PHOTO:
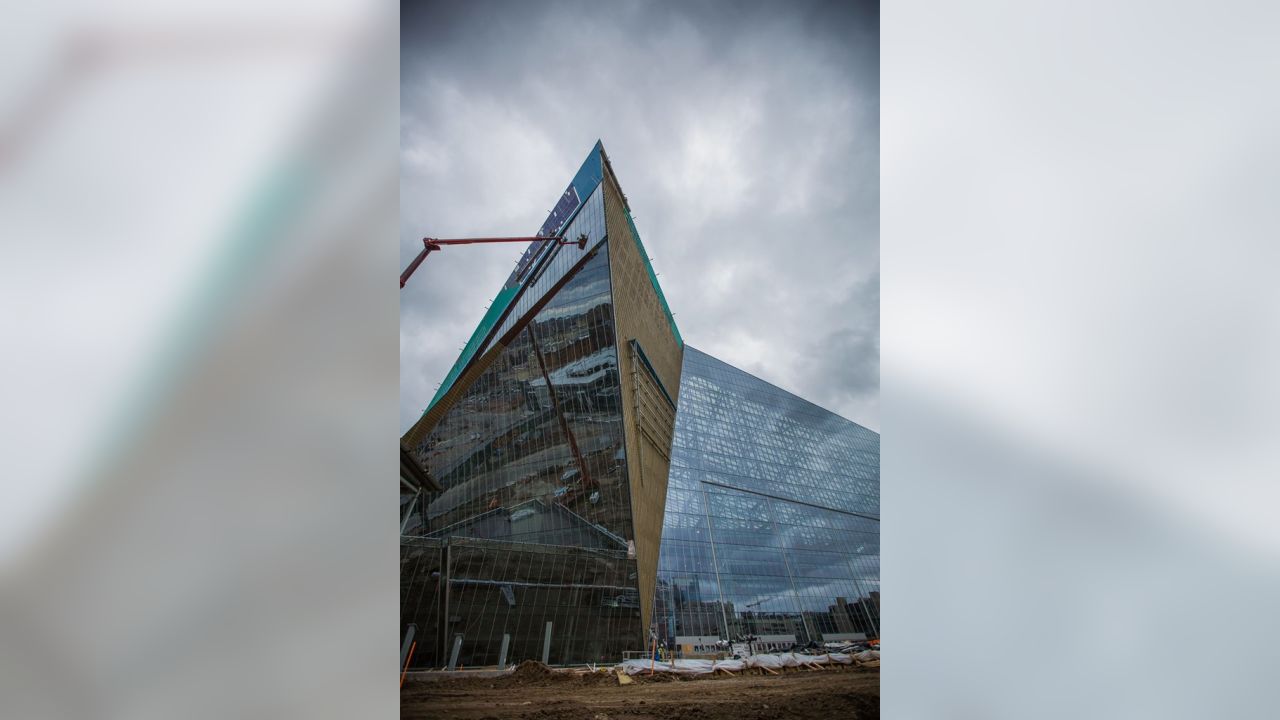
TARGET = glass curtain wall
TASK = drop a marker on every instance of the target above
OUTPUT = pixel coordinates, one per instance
(535, 514)
(771, 526)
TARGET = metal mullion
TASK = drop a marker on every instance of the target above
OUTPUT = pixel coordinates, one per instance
(498, 600)
(790, 576)
(468, 628)
(858, 589)
(557, 569)
(416, 573)
(531, 600)
(715, 565)
(539, 610)
(571, 624)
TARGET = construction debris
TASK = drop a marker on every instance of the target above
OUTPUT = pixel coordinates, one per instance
(531, 670)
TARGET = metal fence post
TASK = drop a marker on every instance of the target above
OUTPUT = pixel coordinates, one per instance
(502, 654)
(453, 657)
(408, 642)
(546, 645)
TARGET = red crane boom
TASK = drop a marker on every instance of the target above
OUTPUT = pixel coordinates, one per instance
(430, 244)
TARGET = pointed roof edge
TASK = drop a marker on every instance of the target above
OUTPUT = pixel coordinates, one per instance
(584, 182)
(594, 168)
(644, 255)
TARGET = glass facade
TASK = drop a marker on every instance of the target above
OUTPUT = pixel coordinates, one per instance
(529, 538)
(771, 526)
(550, 266)
(546, 265)
(519, 535)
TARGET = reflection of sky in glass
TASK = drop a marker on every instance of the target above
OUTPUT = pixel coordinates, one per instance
(771, 509)
(545, 272)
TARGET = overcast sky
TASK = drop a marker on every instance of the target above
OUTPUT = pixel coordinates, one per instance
(746, 137)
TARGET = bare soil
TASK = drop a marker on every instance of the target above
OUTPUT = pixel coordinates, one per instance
(534, 693)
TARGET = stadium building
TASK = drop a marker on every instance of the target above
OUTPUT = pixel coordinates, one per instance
(584, 484)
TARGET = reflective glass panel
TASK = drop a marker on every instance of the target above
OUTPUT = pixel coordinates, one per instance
(534, 518)
(772, 518)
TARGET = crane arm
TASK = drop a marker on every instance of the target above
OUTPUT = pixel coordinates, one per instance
(432, 244)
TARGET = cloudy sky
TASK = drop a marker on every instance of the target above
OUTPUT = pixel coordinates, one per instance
(746, 137)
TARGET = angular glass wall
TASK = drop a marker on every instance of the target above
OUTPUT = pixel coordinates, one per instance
(549, 266)
(535, 514)
(772, 517)
(543, 264)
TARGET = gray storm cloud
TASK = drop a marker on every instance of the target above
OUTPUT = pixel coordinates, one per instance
(746, 137)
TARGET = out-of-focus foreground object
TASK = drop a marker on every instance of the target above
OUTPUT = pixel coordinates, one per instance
(1081, 402)
(199, 208)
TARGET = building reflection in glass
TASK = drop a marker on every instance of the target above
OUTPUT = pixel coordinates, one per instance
(535, 507)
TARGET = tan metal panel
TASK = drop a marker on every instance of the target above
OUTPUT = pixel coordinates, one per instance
(639, 316)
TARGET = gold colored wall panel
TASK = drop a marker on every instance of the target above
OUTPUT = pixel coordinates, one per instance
(639, 316)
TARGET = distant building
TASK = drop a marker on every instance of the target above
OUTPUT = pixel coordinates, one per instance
(597, 484)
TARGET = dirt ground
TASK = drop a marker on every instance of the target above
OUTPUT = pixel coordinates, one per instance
(534, 694)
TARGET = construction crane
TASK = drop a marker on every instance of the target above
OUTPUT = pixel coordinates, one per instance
(432, 244)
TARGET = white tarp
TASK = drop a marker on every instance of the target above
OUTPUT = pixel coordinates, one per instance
(680, 667)
(773, 661)
(791, 659)
(683, 667)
